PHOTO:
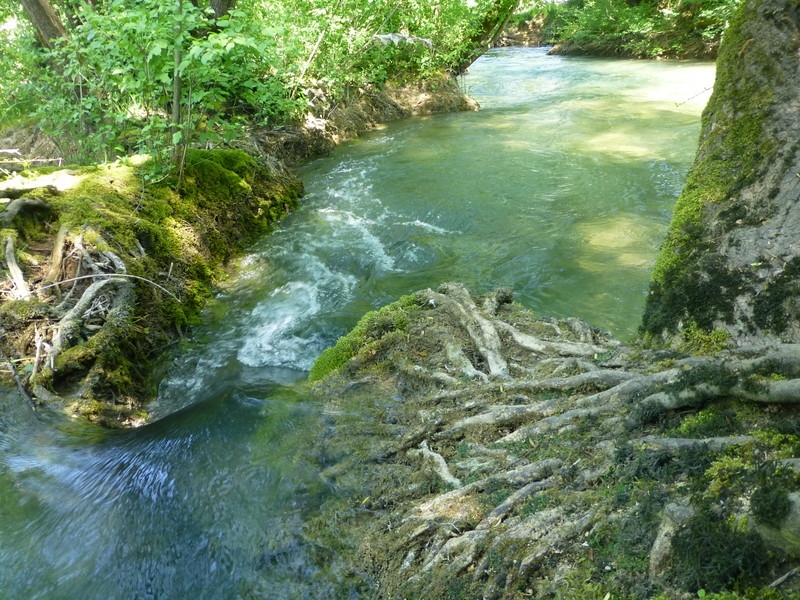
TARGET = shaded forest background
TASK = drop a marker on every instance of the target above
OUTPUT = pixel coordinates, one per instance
(630, 28)
(110, 78)
(114, 77)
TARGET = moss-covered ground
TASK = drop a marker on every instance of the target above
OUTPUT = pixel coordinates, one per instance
(175, 239)
(555, 479)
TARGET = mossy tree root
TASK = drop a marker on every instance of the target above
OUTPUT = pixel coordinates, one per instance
(22, 205)
(92, 301)
(566, 464)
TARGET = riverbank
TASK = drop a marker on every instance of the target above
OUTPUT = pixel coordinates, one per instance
(480, 452)
(108, 270)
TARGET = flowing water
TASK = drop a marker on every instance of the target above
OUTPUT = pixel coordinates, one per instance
(561, 188)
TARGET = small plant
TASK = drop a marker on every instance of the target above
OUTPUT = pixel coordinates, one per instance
(700, 342)
(711, 553)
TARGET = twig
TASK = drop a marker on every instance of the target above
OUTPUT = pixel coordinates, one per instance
(162, 288)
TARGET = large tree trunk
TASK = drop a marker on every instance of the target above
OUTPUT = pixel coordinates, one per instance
(48, 25)
(731, 260)
(222, 7)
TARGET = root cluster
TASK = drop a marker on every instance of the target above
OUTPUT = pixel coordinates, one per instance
(505, 435)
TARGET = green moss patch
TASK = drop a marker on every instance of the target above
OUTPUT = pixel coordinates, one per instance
(177, 234)
(362, 339)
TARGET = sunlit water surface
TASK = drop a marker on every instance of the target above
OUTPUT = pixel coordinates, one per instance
(561, 188)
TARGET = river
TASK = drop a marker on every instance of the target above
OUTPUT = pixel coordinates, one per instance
(561, 188)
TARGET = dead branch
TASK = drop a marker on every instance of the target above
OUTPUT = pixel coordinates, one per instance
(22, 290)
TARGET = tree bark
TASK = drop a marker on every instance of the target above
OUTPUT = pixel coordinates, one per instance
(731, 260)
(48, 25)
(222, 7)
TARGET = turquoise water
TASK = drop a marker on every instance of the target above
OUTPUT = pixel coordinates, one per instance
(561, 188)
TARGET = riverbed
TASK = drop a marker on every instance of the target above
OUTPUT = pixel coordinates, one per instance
(561, 187)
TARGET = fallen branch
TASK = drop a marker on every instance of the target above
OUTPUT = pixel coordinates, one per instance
(23, 292)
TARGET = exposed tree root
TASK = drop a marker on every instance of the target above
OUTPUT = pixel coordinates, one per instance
(56, 258)
(543, 429)
(102, 311)
(21, 205)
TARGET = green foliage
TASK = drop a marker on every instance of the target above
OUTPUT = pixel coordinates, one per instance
(108, 88)
(709, 422)
(711, 552)
(698, 341)
(646, 29)
(770, 501)
(18, 64)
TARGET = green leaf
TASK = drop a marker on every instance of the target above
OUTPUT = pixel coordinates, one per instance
(177, 137)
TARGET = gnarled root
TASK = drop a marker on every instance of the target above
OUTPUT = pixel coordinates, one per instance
(98, 319)
(551, 435)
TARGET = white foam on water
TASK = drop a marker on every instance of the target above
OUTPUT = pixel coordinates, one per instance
(360, 241)
(279, 334)
(428, 227)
